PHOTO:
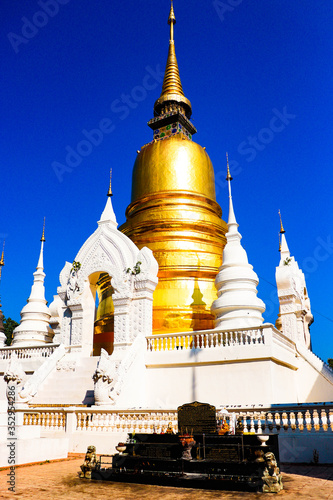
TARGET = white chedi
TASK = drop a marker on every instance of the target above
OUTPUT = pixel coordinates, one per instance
(237, 305)
(34, 328)
(295, 317)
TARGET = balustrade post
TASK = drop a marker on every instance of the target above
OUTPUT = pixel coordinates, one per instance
(71, 421)
(259, 431)
(285, 421)
(308, 420)
(245, 423)
(252, 428)
(323, 417)
(270, 421)
(300, 421)
(71, 425)
(316, 421)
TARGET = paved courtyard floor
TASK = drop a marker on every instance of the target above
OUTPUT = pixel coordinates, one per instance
(59, 480)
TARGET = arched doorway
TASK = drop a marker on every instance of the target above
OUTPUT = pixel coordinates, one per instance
(104, 316)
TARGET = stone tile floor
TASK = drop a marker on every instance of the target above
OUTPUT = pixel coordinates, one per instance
(59, 480)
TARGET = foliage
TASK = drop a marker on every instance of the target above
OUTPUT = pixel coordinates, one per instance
(330, 362)
(136, 269)
(9, 326)
(76, 266)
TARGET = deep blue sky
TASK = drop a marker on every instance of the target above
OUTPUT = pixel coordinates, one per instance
(239, 68)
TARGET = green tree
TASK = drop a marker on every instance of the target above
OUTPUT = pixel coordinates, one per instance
(330, 362)
(9, 326)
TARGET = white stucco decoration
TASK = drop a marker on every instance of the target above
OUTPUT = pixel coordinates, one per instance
(237, 305)
(295, 315)
(133, 275)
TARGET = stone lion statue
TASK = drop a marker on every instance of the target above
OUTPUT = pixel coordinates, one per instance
(90, 462)
(272, 480)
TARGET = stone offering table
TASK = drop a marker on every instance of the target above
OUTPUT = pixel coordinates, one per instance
(217, 462)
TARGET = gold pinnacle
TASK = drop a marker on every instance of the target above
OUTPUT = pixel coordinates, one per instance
(281, 228)
(279, 242)
(43, 235)
(110, 190)
(229, 178)
(172, 90)
(171, 20)
(2, 260)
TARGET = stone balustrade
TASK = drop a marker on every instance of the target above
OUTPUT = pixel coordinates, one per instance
(209, 339)
(146, 422)
(311, 419)
(50, 420)
(300, 419)
(36, 352)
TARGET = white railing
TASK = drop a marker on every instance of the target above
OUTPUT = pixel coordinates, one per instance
(144, 422)
(207, 339)
(316, 362)
(28, 352)
(50, 420)
(286, 420)
(35, 352)
(300, 419)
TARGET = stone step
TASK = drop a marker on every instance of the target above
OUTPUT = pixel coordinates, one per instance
(69, 383)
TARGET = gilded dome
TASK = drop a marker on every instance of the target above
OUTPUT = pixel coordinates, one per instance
(173, 164)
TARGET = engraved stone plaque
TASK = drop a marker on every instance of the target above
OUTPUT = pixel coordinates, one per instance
(199, 418)
(224, 454)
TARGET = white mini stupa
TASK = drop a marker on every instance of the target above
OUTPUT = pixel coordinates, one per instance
(295, 317)
(2, 329)
(34, 328)
(237, 305)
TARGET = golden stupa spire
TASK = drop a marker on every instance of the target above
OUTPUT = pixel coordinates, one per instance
(229, 178)
(174, 212)
(172, 90)
(2, 260)
(171, 21)
(281, 225)
(110, 190)
(43, 235)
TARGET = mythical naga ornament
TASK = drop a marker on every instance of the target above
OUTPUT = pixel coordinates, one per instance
(15, 377)
(104, 380)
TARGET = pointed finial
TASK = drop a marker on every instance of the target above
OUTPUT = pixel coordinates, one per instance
(110, 190)
(172, 90)
(2, 260)
(280, 242)
(43, 235)
(281, 225)
(229, 178)
(171, 21)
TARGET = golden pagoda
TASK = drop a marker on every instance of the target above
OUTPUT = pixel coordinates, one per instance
(174, 212)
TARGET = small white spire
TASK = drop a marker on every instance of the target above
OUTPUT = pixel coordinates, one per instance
(34, 327)
(237, 305)
(108, 216)
(2, 329)
(232, 223)
(295, 315)
(284, 250)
